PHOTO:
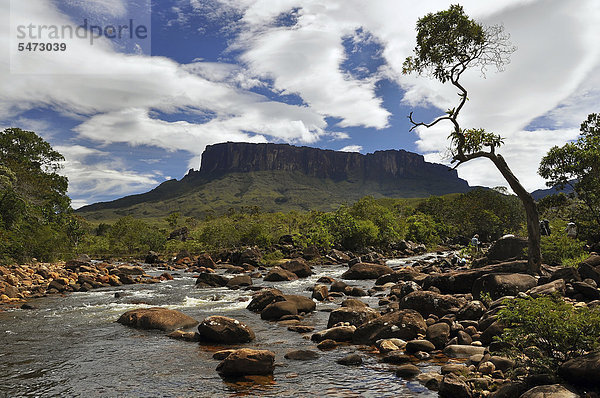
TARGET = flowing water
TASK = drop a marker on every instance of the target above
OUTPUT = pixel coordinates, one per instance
(71, 346)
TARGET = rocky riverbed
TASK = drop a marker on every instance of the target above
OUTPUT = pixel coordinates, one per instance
(410, 327)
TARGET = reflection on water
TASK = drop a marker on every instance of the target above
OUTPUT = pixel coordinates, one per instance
(72, 346)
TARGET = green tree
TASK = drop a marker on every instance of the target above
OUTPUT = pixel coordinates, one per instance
(449, 43)
(577, 164)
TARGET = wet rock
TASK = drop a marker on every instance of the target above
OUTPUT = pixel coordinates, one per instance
(205, 260)
(456, 368)
(327, 344)
(247, 361)
(510, 389)
(583, 370)
(555, 287)
(211, 280)
(302, 355)
(320, 292)
(185, 336)
(278, 274)
(430, 380)
(462, 351)
(452, 386)
(278, 309)
(338, 286)
(302, 303)
(366, 271)
(339, 256)
(396, 357)
(222, 354)
(157, 318)
(350, 360)
(426, 303)
(353, 315)
(151, 258)
(550, 391)
(338, 333)
(402, 324)
(298, 267)
(129, 270)
(224, 330)
(502, 363)
(407, 371)
(438, 334)
(354, 303)
(356, 292)
(263, 298)
(301, 328)
(500, 285)
(486, 368)
(239, 281)
(404, 288)
(463, 338)
(414, 346)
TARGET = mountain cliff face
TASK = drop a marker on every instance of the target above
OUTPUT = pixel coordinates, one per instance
(281, 177)
(245, 157)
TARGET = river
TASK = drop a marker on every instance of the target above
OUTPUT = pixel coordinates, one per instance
(71, 346)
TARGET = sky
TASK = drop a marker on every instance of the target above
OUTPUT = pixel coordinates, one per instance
(130, 111)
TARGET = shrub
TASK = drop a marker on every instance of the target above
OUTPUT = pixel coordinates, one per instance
(558, 330)
(422, 228)
(558, 249)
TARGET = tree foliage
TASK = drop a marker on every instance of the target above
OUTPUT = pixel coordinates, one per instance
(577, 164)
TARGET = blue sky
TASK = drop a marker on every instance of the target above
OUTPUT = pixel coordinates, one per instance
(130, 113)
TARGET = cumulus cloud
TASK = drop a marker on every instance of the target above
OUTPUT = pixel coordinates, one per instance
(351, 148)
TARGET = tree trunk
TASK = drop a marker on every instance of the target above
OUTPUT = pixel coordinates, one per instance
(533, 218)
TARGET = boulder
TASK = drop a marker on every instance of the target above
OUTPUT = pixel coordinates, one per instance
(211, 280)
(350, 360)
(366, 271)
(247, 361)
(506, 248)
(402, 324)
(396, 358)
(320, 292)
(407, 371)
(220, 329)
(438, 334)
(427, 303)
(583, 370)
(588, 291)
(462, 351)
(472, 310)
(263, 298)
(550, 391)
(278, 274)
(157, 318)
(298, 267)
(413, 346)
(500, 285)
(303, 304)
(353, 315)
(555, 287)
(462, 281)
(590, 268)
(453, 386)
(338, 333)
(278, 309)
(239, 281)
(206, 261)
(129, 270)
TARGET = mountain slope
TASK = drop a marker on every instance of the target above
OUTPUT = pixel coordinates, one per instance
(279, 177)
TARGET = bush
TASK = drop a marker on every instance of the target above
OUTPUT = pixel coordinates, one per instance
(423, 229)
(558, 249)
(558, 330)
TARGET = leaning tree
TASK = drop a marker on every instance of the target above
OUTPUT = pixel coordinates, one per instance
(449, 43)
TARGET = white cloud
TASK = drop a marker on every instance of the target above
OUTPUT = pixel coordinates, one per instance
(351, 148)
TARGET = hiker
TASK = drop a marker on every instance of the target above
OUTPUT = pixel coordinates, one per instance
(545, 228)
(571, 230)
(475, 241)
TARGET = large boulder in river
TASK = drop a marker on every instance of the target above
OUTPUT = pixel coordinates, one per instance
(427, 303)
(263, 298)
(278, 274)
(298, 266)
(506, 248)
(302, 303)
(277, 310)
(209, 279)
(402, 324)
(353, 315)
(583, 370)
(220, 329)
(500, 285)
(157, 318)
(366, 271)
(246, 361)
(462, 281)
(338, 333)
